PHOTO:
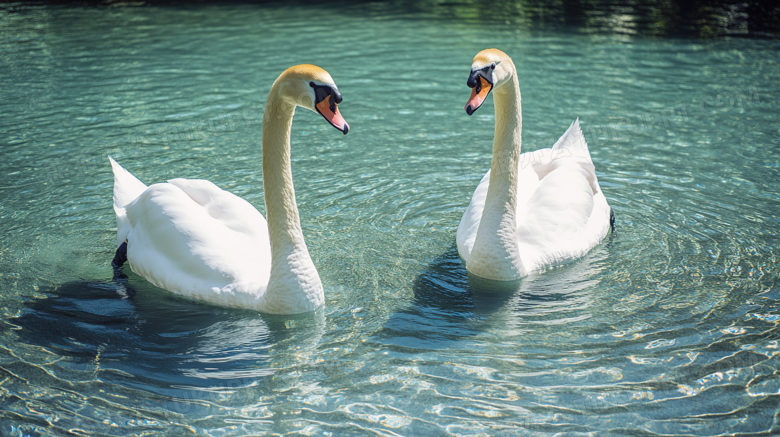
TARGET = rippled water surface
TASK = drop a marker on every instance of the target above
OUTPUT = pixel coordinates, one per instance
(668, 327)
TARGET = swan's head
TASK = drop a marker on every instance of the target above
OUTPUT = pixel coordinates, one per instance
(312, 87)
(490, 69)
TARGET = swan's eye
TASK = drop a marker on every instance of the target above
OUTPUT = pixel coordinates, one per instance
(493, 66)
(311, 84)
(474, 78)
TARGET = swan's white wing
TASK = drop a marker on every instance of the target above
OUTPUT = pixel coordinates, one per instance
(567, 214)
(551, 227)
(469, 223)
(192, 238)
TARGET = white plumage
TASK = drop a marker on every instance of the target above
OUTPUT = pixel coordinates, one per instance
(193, 238)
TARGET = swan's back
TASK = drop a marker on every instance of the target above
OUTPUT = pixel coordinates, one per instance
(194, 239)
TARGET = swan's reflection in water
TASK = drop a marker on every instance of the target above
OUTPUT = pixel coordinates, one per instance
(147, 339)
(450, 305)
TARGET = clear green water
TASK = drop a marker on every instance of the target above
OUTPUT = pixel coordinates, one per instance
(669, 327)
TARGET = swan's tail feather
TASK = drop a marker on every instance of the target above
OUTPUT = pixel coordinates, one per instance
(571, 147)
(126, 189)
(572, 143)
(126, 186)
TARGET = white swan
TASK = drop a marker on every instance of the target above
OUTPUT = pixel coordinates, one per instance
(533, 209)
(194, 239)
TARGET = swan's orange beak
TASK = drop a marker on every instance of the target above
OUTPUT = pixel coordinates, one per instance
(478, 95)
(330, 110)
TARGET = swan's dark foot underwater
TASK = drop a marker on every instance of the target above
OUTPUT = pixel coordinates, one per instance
(611, 221)
(121, 257)
(120, 278)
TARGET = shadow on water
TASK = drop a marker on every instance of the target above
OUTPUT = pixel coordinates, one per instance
(450, 305)
(149, 339)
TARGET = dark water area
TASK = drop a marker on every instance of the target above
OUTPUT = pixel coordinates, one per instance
(677, 18)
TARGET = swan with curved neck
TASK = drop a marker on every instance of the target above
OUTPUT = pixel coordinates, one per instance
(531, 210)
(197, 240)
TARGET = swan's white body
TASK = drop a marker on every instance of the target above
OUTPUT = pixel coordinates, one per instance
(530, 210)
(197, 240)
(193, 238)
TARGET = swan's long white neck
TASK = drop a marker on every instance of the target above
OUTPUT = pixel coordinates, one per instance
(495, 254)
(295, 285)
